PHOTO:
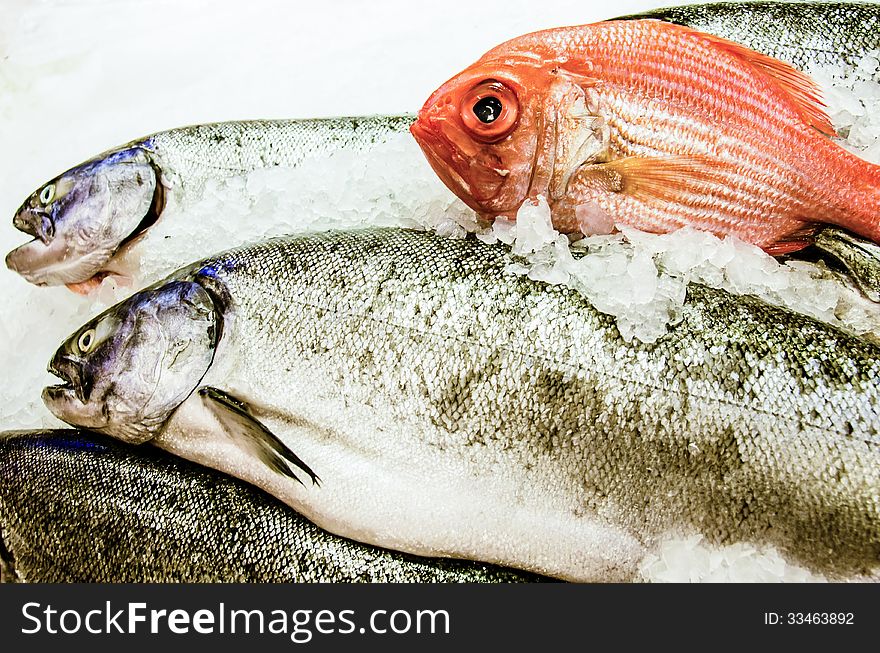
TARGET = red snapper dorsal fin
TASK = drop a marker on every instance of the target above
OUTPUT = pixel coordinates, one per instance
(803, 91)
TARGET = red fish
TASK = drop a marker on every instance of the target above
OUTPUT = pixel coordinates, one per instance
(651, 125)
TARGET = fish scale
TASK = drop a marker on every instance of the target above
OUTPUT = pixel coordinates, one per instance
(657, 58)
(219, 150)
(181, 523)
(828, 34)
(452, 409)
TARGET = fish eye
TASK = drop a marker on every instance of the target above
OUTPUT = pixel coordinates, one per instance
(489, 111)
(47, 194)
(86, 340)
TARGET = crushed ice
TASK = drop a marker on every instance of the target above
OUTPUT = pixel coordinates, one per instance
(854, 104)
(692, 559)
(641, 279)
(390, 185)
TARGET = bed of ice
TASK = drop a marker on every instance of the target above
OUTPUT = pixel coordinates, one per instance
(854, 104)
(639, 278)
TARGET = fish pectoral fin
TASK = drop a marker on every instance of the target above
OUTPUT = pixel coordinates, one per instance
(801, 89)
(247, 430)
(670, 179)
(90, 285)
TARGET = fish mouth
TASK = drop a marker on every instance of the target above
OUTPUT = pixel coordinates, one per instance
(75, 382)
(34, 222)
(456, 167)
(54, 264)
(444, 170)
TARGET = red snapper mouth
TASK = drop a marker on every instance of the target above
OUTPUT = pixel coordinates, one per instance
(464, 170)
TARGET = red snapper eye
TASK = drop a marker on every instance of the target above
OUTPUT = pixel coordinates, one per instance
(489, 111)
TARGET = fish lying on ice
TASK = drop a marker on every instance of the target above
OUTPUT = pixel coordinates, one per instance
(77, 239)
(831, 35)
(83, 218)
(399, 388)
(75, 507)
(651, 125)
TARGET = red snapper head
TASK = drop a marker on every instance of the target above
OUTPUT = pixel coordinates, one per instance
(485, 130)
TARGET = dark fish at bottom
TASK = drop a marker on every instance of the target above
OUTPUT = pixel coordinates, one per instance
(77, 507)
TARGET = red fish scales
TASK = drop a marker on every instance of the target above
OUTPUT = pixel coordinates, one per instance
(702, 132)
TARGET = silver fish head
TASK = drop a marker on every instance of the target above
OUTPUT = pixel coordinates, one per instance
(83, 217)
(127, 370)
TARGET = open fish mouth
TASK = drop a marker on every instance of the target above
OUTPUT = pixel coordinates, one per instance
(73, 382)
(60, 393)
(34, 222)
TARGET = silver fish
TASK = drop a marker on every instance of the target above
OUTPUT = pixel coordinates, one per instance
(158, 518)
(401, 389)
(83, 218)
(827, 34)
(859, 257)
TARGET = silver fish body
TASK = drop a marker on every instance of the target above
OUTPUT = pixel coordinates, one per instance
(834, 35)
(83, 218)
(218, 150)
(76, 507)
(441, 406)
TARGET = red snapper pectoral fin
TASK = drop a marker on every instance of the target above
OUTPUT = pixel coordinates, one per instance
(650, 180)
(693, 181)
(668, 179)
